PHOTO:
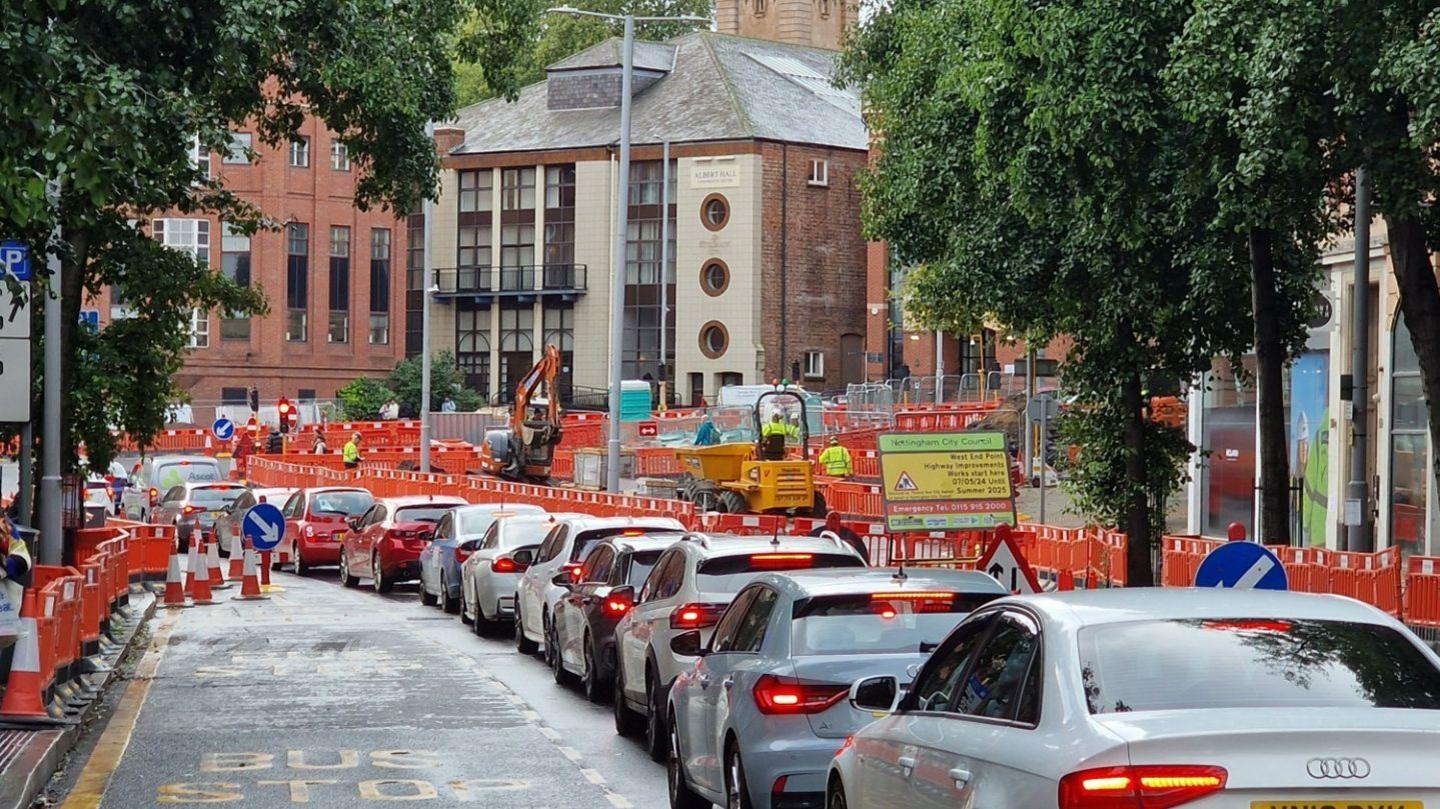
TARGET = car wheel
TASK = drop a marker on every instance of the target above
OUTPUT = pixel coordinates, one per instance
(523, 645)
(737, 789)
(297, 565)
(627, 722)
(656, 743)
(377, 576)
(447, 603)
(346, 577)
(681, 795)
(466, 617)
(835, 796)
(557, 661)
(590, 681)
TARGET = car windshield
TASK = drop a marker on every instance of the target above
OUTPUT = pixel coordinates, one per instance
(350, 504)
(585, 539)
(178, 472)
(472, 521)
(879, 623)
(214, 497)
(1252, 663)
(641, 563)
(430, 514)
(727, 574)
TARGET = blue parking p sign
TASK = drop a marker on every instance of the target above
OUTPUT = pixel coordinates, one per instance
(1242, 566)
(15, 260)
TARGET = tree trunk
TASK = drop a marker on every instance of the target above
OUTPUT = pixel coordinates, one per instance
(1270, 403)
(1420, 306)
(1137, 514)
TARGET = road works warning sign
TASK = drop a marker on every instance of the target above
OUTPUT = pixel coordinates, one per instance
(944, 481)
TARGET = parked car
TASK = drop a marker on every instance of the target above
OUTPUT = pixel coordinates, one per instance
(228, 524)
(562, 552)
(99, 504)
(757, 719)
(1232, 699)
(491, 574)
(193, 508)
(691, 585)
(458, 534)
(316, 523)
(156, 475)
(586, 614)
(385, 544)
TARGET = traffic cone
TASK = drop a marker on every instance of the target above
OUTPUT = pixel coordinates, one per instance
(193, 564)
(237, 558)
(201, 594)
(1066, 582)
(265, 568)
(174, 583)
(212, 561)
(24, 690)
(250, 583)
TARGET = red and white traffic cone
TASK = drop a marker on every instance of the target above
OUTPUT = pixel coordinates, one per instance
(25, 688)
(212, 562)
(237, 558)
(265, 568)
(175, 582)
(201, 594)
(250, 583)
(194, 567)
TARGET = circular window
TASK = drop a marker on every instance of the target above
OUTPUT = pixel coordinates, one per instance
(714, 212)
(714, 277)
(714, 339)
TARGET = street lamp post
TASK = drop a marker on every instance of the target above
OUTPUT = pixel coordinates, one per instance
(622, 224)
(428, 280)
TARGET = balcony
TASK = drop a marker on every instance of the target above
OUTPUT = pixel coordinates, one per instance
(485, 284)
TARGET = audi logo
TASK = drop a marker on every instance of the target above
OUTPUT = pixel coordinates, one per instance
(1338, 768)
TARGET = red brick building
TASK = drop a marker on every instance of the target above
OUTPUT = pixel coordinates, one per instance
(333, 276)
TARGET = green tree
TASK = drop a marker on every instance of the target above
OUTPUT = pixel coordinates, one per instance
(445, 381)
(1035, 171)
(363, 398)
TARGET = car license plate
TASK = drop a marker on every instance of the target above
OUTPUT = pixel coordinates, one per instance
(1344, 803)
(338, 536)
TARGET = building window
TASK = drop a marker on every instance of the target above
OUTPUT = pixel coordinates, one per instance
(472, 347)
(238, 152)
(339, 331)
(824, 9)
(714, 212)
(475, 191)
(560, 332)
(199, 328)
(379, 286)
(644, 318)
(235, 266)
(517, 346)
(339, 156)
(473, 273)
(814, 364)
(559, 226)
(1410, 470)
(517, 257)
(200, 157)
(759, 8)
(414, 251)
(714, 339)
(645, 179)
(819, 172)
(297, 282)
(517, 189)
(300, 152)
(715, 277)
(189, 236)
(233, 397)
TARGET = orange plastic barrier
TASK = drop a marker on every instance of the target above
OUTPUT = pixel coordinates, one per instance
(655, 462)
(1422, 591)
(853, 498)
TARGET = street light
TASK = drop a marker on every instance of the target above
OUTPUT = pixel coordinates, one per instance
(622, 223)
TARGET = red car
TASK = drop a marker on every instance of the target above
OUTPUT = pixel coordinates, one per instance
(316, 521)
(384, 545)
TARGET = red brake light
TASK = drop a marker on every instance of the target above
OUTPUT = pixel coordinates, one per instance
(782, 561)
(184, 463)
(1249, 625)
(616, 606)
(1150, 786)
(193, 509)
(154, 495)
(919, 601)
(695, 616)
(462, 553)
(786, 695)
(505, 564)
(633, 532)
(573, 569)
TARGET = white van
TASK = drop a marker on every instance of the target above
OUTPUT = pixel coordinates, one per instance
(157, 474)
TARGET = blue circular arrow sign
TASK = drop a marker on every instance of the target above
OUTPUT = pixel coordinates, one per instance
(1242, 566)
(263, 525)
(223, 428)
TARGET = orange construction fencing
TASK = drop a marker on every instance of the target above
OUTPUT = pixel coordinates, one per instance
(1422, 591)
(657, 462)
(853, 498)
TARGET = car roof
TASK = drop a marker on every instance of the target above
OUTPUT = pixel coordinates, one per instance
(711, 546)
(516, 509)
(850, 581)
(646, 542)
(192, 485)
(585, 522)
(270, 492)
(421, 500)
(159, 459)
(320, 489)
(1118, 605)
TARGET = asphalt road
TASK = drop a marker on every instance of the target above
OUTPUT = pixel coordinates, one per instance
(335, 697)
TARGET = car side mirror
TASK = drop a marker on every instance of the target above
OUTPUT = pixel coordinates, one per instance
(524, 558)
(687, 644)
(879, 695)
(353, 522)
(563, 579)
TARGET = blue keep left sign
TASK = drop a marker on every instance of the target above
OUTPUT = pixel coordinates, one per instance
(1242, 566)
(223, 428)
(263, 525)
(15, 260)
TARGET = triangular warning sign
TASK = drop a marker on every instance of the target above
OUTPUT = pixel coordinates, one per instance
(905, 483)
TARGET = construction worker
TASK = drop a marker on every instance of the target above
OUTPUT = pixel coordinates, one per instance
(351, 452)
(836, 461)
(17, 554)
(706, 435)
(779, 426)
(835, 524)
(320, 446)
(773, 435)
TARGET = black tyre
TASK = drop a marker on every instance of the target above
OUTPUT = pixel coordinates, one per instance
(346, 577)
(681, 795)
(819, 510)
(657, 742)
(737, 789)
(732, 503)
(557, 660)
(595, 688)
(378, 579)
(426, 597)
(297, 565)
(835, 796)
(523, 645)
(466, 616)
(448, 603)
(627, 722)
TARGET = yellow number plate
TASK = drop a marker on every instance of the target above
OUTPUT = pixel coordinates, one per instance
(1344, 803)
(1347, 803)
(338, 536)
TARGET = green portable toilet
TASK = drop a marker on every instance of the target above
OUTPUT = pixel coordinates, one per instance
(634, 400)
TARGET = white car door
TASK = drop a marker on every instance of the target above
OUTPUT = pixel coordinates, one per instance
(536, 581)
(652, 605)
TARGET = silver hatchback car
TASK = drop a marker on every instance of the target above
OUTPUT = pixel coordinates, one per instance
(757, 719)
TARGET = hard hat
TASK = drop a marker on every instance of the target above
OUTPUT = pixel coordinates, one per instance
(834, 440)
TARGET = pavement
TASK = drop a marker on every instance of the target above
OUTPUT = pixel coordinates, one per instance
(329, 697)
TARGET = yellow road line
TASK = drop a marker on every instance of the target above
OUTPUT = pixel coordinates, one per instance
(110, 748)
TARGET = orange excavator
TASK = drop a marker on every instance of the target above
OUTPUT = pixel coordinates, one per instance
(523, 450)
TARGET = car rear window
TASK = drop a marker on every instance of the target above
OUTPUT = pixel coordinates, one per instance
(216, 495)
(727, 574)
(421, 513)
(585, 539)
(178, 472)
(350, 504)
(1253, 663)
(879, 623)
(477, 521)
(641, 563)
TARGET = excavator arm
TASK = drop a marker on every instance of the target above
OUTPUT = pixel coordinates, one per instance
(540, 377)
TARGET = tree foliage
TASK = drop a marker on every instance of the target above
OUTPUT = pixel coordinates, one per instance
(363, 398)
(446, 381)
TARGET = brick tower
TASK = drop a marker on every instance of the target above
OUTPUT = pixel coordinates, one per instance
(816, 23)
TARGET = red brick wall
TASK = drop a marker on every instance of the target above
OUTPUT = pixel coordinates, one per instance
(320, 197)
(818, 232)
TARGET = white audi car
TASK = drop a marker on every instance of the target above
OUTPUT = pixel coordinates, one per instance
(1131, 699)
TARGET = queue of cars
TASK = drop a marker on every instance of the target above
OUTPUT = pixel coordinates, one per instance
(782, 673)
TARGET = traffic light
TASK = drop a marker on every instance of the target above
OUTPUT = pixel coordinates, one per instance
(287, 415)
(254, 396)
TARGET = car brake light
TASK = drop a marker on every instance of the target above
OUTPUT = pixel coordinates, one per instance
(404, 534)
(695, 616)
(1148, 786)
(461, 554)
(617, 606)
(787, 695)
(154, 496)
(782, 561)
(505, 564)
(573, 569)
(633, 532)
(1249, 625)
(918, 601)
(192, 510)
